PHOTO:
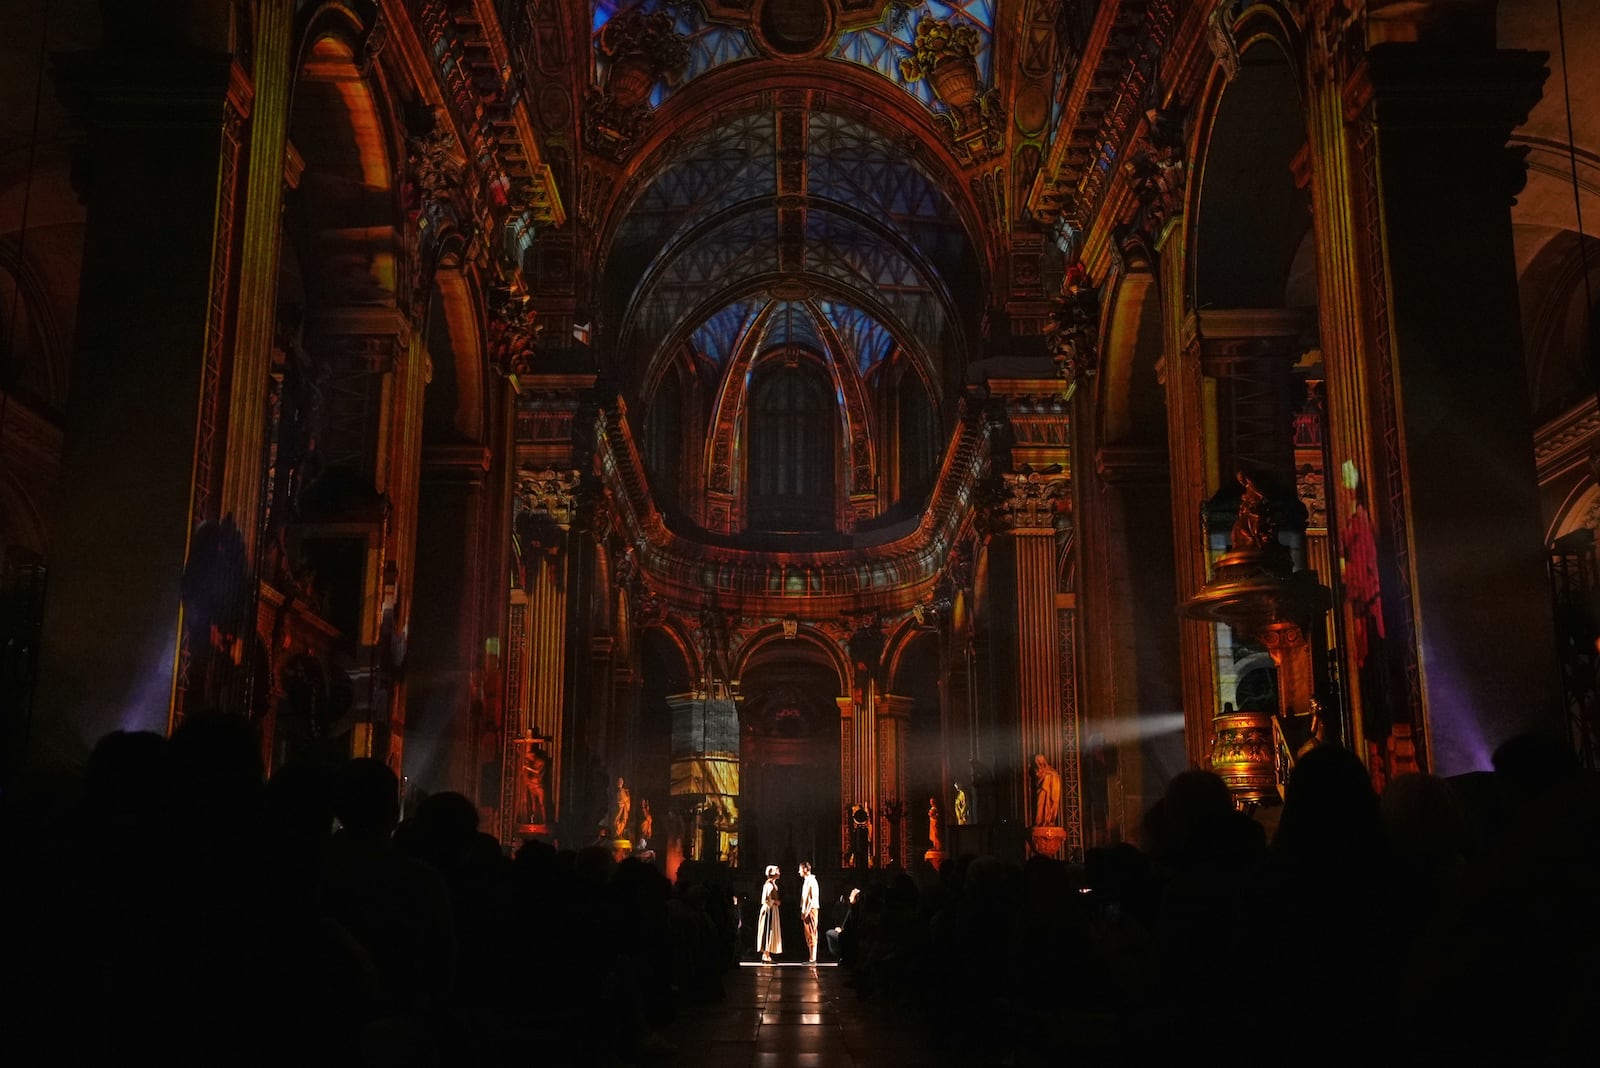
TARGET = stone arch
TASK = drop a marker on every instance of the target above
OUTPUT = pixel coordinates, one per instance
(817, 646)
(1132, 403)
(1248, 214)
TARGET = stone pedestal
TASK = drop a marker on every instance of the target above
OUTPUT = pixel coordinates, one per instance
(1047, 842)
(934, 857)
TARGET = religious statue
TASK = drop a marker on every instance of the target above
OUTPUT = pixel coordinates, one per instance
(1254, 529)
(622, 809)
(647, 822)
(980, 791)
(1317, 730)
(935, 832)
(963, 813)
(533, 769)
(1047, 793)
(860, 837)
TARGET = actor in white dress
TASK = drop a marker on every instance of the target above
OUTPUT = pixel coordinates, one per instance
(769, 932)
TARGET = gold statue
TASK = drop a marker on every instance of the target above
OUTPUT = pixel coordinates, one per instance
(1047, 793)
(622, 809)
(533, 769)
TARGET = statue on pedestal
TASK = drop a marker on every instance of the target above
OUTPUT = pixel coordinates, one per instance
(534, 764)
(621, 809)
(1047, 793)
(647, 823)
(935, 832)
(963, 812)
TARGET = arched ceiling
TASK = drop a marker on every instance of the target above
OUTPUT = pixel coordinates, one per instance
(820, 195)
(858, 224)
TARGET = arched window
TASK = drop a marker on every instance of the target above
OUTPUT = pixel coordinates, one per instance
(791, 430)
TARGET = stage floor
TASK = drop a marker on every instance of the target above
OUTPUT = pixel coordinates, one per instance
(792, 1014)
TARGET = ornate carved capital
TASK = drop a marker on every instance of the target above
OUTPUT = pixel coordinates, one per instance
(549, 494)
(1031, 502)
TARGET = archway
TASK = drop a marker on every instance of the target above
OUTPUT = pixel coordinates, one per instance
(1253, 283)
(456, 555)
(789, 756)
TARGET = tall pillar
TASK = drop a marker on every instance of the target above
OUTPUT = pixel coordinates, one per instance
(160, 178)
(271, 65)
(446, 629)
(545, 502)
(894, 721)
(1127, 591)
(1029, 514)
(1461, 501)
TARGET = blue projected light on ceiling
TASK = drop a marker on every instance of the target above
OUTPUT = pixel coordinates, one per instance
(791, 324)
(863, 337)
(716, 337)
(883, 46)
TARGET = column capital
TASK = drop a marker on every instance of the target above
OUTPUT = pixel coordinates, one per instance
(467, 465)
(551, 494)
(1416, 87)
(135, 90)
(894, 705)
(1031, 502)
(1228, 341)
(1133, 464)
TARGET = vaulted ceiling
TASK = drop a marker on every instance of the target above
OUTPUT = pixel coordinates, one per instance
(850, 168)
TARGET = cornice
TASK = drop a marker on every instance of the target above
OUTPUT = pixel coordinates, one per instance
(891, 576)
(1566, 439)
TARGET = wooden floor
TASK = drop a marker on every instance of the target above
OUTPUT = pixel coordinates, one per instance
(792, 1015)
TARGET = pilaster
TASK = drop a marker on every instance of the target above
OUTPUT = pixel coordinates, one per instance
(159, 177)
(1452, 399)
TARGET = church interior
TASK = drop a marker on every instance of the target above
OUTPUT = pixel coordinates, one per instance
(1054, 467)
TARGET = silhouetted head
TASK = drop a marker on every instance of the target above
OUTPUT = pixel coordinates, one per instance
(126, 777)
(1330, 812)
(442, 830)
(300, 802)
(367, 797)
(1423, 818)
(1190, 820)
(216, 763)
(1531, 763)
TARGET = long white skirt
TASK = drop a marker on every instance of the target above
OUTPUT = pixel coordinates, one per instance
(769, 932)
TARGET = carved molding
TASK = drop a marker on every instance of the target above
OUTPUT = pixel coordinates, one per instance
(1031, 501)
(513, 332)
(551, 493)
(1074, 327)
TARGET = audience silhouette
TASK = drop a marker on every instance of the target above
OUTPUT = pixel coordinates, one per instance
(179, 905)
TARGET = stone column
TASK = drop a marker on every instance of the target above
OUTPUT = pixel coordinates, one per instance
(139, 453)
(446, 631)
(546, 500)
(894, 721)
(1028, 514)
(1127, 589)
(272, 59)
(859, 770)
(1468, 580)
